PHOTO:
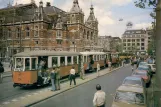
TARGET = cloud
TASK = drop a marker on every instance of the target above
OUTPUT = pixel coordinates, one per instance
(142, 25)
(29, 1)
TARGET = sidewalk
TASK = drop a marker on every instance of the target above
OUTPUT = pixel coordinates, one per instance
(34, 98)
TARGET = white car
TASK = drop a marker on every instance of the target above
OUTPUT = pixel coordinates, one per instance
(152, 66)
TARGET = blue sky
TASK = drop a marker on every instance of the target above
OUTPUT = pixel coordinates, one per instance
(108, 13)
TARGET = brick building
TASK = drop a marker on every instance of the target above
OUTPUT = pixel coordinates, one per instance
(27, 27)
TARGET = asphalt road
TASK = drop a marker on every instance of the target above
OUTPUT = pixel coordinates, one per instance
(82, 96)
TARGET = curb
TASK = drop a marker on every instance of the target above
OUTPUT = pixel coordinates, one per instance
(36, 102)
(4, 76)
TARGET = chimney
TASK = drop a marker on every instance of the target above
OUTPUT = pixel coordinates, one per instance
(48, 4)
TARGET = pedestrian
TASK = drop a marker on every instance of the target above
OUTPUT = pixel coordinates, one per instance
(52, 76)
(109, 64)
(72, 76)
(1, 72)
(98, 68)
(57, 80)
(99, 99)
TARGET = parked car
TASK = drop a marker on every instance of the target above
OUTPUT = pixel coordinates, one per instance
(146, 68)
(144, 75)
(143, 63)
(133, 81)
(153, 68)
(129, 96)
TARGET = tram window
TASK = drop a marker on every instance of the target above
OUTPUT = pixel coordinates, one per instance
(33, 67)
(27, 64)
(75, 59)
(85, 59)
(69, 59)
(19, 62)
(54, 61)
(98, 57)
(62, 61)
(95, 58)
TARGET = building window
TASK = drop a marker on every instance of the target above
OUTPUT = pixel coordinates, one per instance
(142, 44)
(142, 40)
(36, 31)
(18, 32)
(142, 36)
(36, 42)
(88, 35)
(124, 40)
(59, 42)
(124, 44)
(27, 31)
(58, 33)
(138, 40)
(128, 40)
(142, 48)
(133, 40)
(138, 44)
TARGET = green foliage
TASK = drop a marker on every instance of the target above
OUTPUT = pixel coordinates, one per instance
(144, 3)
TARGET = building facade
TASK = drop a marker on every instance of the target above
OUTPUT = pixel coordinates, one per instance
(109, 43)
(105, 42)
(136, 41)
(31, 27)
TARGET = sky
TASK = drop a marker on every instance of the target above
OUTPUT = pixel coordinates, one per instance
(108, 13)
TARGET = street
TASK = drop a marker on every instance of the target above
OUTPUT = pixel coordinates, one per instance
(82, 96)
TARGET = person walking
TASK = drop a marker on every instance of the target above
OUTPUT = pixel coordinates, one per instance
(72, 76)
(57, 79)
(1, 72)
(109, 64)
(52, 76)
(98, 68)
(99, 99)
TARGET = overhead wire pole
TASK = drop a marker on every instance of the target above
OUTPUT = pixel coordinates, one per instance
(157, 90)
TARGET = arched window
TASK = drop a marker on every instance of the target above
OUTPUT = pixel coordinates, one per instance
(91, 35)
(9, 33)
(27, 31)
(18, 32)
(88, 35)
(36, 31)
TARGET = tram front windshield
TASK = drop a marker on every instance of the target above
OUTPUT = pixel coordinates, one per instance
(24, 64)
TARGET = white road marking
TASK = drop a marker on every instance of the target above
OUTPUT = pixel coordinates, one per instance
(28, 95)
(5, 103)
(14, 100)
(22, 97)
(35, 93)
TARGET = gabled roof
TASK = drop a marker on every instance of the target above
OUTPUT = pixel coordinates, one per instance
(91, 16)
(53, 10)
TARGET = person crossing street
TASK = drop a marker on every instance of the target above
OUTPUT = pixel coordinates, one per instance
(99, 99)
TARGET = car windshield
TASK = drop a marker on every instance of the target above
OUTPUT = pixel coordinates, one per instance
(129, 97)
(132, 82)
(140, 73)
(143, 63)
(143, 68)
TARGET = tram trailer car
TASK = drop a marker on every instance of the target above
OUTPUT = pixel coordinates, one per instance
(28, 69)
(90, 60)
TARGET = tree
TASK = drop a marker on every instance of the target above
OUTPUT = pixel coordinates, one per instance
(157, 5)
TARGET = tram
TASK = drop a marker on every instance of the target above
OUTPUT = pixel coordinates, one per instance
(28, 69)
(90, 60)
